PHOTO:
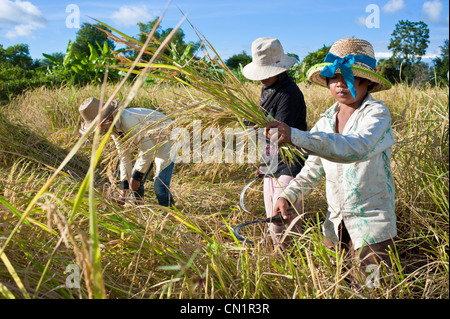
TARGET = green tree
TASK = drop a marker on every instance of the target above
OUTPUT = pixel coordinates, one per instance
(57, 56)
(441, 66)
(408, 44)
(409, 40)
(16, 55)
(89, 34)
(390, 69)
(2, 55)
(18, 71)
(177, 43)
(300, 71)
(237, 60)
(81, 68)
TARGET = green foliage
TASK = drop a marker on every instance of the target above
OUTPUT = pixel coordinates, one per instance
(409, 40)
(293, 55)
(236, 63)
(397, 71)
(17, 55)
(300, 72)
(18, 71)
(237, 60)
(58, 56)
(441, 65)
(87, 38)
(389, 69)
(15, 80)
(409, 43)
(161, 34)
(80, 68)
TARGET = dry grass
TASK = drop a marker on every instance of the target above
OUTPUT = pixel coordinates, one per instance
(189, 252)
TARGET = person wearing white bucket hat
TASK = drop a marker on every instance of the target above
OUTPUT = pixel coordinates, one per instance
(268, 60)
(144, 128)
(281, 99)
(350, 146)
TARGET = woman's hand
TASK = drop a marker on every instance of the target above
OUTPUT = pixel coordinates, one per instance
(282, 208)
(278, 132)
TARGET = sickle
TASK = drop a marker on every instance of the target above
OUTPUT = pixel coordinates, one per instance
(241, 199)
(236, 229)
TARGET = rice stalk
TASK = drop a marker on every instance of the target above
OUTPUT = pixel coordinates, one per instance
(145, 253)
(223, 97)
(97, 279)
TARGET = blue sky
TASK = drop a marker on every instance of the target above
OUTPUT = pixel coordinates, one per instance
(302, 26)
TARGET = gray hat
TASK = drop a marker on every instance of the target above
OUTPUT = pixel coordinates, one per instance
(90, 109)
(268, 60)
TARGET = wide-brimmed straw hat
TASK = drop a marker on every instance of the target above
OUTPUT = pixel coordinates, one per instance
(268, 60)
(89, 111)
(355, 55)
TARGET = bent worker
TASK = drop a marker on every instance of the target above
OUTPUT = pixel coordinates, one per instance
(146, 129)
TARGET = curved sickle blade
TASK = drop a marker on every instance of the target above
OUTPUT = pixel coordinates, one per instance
(236, 229)
(241, 199)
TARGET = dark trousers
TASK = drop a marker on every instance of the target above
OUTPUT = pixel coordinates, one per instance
(161, 186)
(366, 257)
(369, 254)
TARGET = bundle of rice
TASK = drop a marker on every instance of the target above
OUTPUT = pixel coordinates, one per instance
(222, 99)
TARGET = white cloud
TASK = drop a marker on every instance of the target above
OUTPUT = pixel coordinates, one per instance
(361, 21)
(21, 18)
(393, 6)
(388, 54)
(428, 56)
(21, 30)
(130, 15)
(432, 10)
(383, 55)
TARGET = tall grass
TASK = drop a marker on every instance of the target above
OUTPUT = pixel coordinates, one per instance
(224, 98)
(93, 271)
(421, 172)
(58, 208)
(150, 252)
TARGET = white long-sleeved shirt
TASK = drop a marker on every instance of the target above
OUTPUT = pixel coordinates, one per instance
(147, 129)
(356, 166)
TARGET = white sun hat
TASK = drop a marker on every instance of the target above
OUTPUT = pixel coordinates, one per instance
(268, 60)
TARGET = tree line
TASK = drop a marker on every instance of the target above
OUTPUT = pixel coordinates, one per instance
(409, 42)
(86, 58)
(84, 61)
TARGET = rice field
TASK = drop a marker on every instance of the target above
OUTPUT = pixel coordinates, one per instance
(64, 236)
